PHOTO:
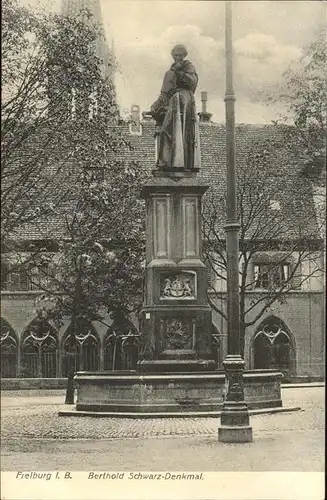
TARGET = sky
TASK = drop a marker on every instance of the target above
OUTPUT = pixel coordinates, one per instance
(267, 37)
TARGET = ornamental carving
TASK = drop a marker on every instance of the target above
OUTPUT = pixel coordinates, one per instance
(178, 286)
(177, 334)
(5, 336)
(235, 387)
(8, 340)
(271, 332)
(136, 389)
(148, 392)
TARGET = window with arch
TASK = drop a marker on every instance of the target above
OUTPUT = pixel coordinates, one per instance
(273, 348)
(9, 350)
(82, 348)
(39, 350)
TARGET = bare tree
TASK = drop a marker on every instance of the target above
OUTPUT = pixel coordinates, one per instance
(280, 240)
(69, 185)
(51, 87)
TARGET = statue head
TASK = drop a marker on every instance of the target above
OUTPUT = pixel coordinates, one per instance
(179, 52)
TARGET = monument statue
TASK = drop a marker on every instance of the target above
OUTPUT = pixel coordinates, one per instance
(175, 115)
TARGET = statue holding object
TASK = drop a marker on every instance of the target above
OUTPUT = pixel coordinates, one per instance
(175, 115)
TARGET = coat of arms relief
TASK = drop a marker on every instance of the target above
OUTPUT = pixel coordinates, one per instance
(178, 334)
(178, 286)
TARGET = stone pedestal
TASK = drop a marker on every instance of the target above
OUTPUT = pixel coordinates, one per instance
(176, 318)
(176, 374)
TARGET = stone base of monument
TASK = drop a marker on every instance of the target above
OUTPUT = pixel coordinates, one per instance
(235, 434)
(169, 394)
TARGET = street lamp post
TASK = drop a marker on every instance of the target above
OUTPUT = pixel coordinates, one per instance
(234, 426)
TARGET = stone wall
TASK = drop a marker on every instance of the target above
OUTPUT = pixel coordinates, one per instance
(302, 315)
(303, 318)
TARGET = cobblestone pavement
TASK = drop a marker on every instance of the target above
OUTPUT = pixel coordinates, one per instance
(33, 436)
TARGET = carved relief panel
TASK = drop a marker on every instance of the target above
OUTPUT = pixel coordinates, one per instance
(161, 227)
(191, 228)
(178, 286)
(178, 333)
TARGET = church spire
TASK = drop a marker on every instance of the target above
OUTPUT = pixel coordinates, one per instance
(72, 8)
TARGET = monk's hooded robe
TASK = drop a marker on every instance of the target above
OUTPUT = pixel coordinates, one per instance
(175, 114)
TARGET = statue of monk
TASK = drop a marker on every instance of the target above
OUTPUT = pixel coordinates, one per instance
(175, 115)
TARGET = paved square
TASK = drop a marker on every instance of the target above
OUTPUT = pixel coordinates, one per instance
(35, 438)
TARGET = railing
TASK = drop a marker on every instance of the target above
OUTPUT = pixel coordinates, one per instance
(8, 364)
(39, 365)
(121, 352)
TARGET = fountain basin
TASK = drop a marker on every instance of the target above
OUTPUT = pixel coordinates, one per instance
(131, 393)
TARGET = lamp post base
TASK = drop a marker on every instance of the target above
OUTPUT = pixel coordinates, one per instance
(235, 434)
(235, 421)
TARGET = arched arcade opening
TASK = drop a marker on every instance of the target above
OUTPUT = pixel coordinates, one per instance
(9, 350)
(39, 350)
(83, 347)
(273, 347)
(121, 346)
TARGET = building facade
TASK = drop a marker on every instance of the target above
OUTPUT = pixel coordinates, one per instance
(289, 335)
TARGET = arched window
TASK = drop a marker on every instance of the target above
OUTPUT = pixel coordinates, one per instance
(39, 350)
(83, 347)
(121, 346)
(9, 350)
(273, 348)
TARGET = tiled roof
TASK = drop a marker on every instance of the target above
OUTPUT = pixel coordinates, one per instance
(213, 167)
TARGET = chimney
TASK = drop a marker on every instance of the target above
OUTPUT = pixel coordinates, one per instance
(146, 116)
(135, 113)
(135, 127)
(204, 116)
